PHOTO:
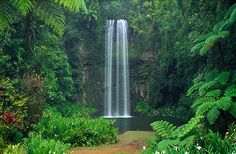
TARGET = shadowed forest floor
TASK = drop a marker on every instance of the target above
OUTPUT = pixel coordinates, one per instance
(131, 142)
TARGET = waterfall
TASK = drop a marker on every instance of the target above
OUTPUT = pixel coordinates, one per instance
(117, 96)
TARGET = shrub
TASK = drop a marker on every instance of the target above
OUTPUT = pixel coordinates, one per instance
(32, 85)
(78, 110)
(143, 108)
(35, 144)
(14, 149)
(76, 131)
(13, 111)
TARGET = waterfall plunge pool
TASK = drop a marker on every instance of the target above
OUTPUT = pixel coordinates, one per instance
(140, 123)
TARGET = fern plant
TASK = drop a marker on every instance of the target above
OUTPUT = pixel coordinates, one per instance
(220, 31)
(214, 94)
(49, 11)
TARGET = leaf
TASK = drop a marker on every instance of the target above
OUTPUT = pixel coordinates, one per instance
(232, 109)
(7, 14)
(213, 93)
(73, 5)
(52, 15)
(163, 128)
(196, 47)
(223, 77)
(230, 91)
(24, 6)
(213, 114)
(194, 88)
(224, 103)
(188, 141)
(230, 10)
(164, 144)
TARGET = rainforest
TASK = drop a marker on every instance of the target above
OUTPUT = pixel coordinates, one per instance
(117, 77)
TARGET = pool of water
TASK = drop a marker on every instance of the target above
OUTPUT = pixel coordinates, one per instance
(141, 123)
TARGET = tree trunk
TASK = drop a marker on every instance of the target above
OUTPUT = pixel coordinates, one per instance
(221, 56)
(29, 38)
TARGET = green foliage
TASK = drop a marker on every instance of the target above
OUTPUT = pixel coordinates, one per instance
(32, 86)
(204, 141)
(12, 102)
(48, 11)
(73, 5)
(220, 31)
(36, 144)
(57, 73)
(209, 101)
(143, 108)
(75, 110)
(76, 131)
(163, 128)
(212, 96)
(14, 149)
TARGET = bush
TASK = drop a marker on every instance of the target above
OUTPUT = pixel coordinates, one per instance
(14, 149)
(178, 112)
(32, 85)
(35, 144)
(77, 110)
(143, 108)
(76, 131)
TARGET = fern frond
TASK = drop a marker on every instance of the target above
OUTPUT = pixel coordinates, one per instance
(224, 103)
(206, 87)
(7, 14)
(163, 128)
(24, 6)
(73, 5)
(52, 15)
(206, 47)
(213, 93)
(203, 37)
(213, 114)
(230, 91)
(205, 107)
(196, 47)
(230, 10)
(167, 143)
(188, 141)
(185, 129)
(202, 100)
(233, 16)
(223, 77)
(194, 88)
(232, 109)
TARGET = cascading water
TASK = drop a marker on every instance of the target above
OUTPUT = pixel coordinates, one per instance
(117, 96)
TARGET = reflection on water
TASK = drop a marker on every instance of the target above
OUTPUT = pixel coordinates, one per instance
(141, 123)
